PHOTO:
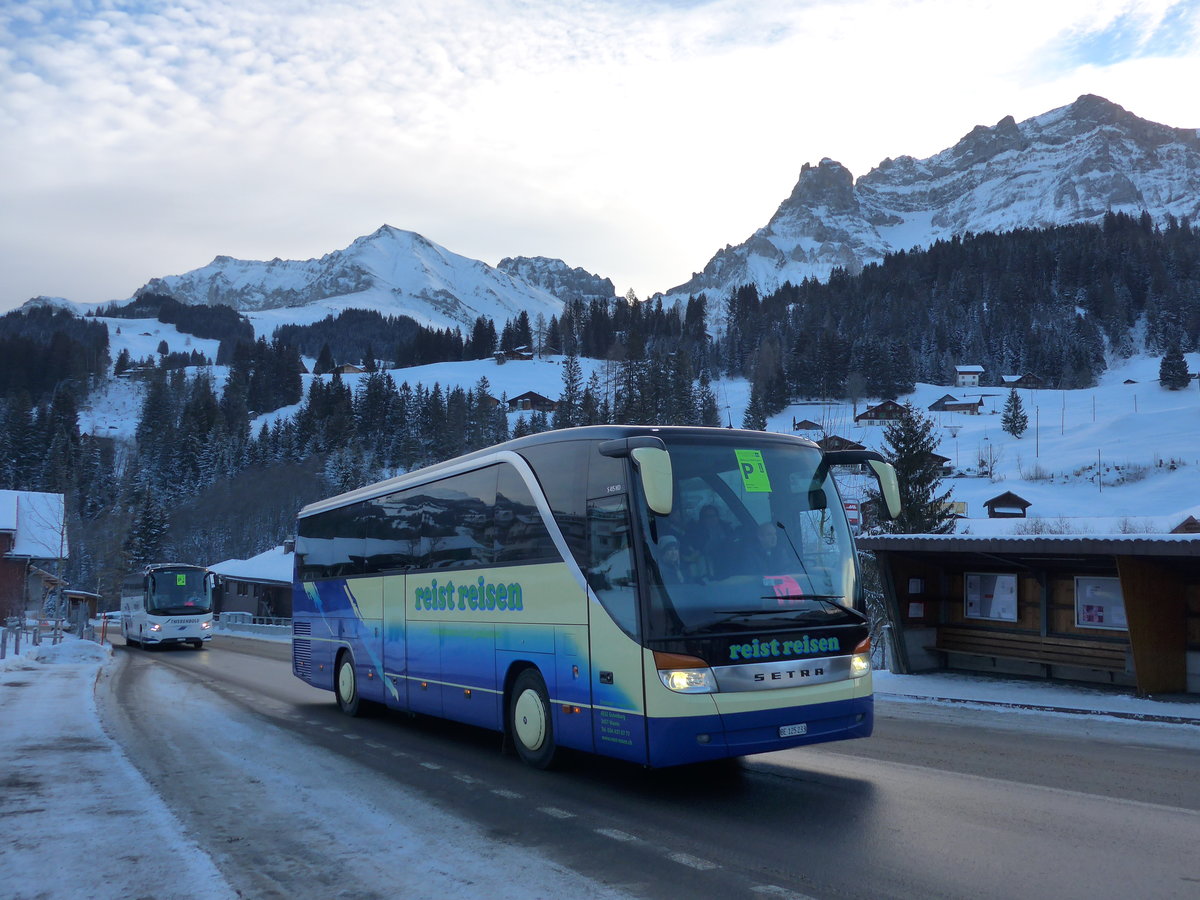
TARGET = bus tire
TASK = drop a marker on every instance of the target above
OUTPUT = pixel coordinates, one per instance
(197, 645)
(530, 720)
(345, 684)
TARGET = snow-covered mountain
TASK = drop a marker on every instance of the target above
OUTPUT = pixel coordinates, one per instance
(556, 277)
(1072, 164)
(393, 271)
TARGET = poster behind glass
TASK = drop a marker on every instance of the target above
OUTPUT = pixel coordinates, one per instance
(1099, 603)
(991, 596)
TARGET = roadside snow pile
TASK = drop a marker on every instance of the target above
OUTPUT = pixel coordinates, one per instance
(71, 651)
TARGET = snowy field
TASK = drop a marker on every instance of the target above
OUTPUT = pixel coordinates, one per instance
(1118, 458)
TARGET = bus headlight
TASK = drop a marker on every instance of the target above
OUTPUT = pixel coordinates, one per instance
(860, 665)
(206, 625)
(860, 662)
(155, 627)
(685, 674)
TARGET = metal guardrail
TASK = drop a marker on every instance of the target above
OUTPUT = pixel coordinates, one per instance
(248, 623)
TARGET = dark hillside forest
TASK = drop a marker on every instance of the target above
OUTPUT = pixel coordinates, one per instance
(1055, 303)
(44, 351)
(1050, 302)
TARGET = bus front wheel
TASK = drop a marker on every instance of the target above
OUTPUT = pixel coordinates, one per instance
(530, 722)
(345, 685)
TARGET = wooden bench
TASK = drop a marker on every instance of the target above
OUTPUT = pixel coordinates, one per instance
(1107, 656)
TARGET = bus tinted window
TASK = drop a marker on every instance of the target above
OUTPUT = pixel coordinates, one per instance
(393, 535)
(561, 469)
(330, 545)
(520, 534)
(455, 516)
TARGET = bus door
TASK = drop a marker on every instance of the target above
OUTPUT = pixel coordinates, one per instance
(618, 694)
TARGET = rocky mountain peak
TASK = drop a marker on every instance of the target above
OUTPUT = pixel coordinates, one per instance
(1072, 164)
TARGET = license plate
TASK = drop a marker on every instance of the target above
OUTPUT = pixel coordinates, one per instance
(793, 730)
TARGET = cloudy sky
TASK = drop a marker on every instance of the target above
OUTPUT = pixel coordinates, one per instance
(631, 137)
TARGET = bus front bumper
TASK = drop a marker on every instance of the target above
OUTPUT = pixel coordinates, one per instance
(673, 741)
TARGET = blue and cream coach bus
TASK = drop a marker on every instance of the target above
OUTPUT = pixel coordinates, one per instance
(608, 589)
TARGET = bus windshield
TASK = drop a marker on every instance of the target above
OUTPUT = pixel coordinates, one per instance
(757, 538)
(178, 592)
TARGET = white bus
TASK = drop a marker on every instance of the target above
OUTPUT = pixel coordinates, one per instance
(174, 606)
(660, 595)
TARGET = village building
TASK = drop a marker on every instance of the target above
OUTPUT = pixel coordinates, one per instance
(833, 442)
(517, 354)
(33, 546)
(967, 376)
(531, 401)
(260, 586)
(1022, 382)
(887, 411)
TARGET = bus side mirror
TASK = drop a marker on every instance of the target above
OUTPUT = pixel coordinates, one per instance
(654, 468)
(889, 487)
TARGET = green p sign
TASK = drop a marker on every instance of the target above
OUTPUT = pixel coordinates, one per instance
(754, 471)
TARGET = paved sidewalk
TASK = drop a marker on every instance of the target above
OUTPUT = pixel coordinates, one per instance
(1045, 696)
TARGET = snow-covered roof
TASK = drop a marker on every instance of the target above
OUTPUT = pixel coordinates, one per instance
(274, 565)
(36, 522)
(969, 370)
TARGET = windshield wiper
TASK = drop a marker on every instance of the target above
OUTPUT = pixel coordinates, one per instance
(782, 612)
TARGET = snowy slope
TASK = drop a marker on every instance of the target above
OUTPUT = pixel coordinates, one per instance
(1131, 427)
(1069, 165)
(393, 271)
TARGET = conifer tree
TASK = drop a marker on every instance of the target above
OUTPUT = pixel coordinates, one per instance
(324, 364)
(569, 412)
(756, 416)
(1014, 420)
(1173, 371)
(910, 443)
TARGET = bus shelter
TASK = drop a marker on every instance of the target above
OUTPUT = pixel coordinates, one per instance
(1122, 609)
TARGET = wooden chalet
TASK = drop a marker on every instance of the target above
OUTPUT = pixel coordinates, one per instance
(805, 425)
(837, 442)
(531, 401)
(939, 405)
(1007, 506)
(887, 411)
(1026, 381)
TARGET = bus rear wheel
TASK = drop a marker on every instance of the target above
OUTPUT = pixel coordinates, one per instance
(345, 685)
(530, 721)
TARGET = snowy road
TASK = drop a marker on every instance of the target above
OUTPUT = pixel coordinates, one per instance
(292, 799)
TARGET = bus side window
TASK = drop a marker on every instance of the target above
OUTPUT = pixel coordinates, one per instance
(611, 573)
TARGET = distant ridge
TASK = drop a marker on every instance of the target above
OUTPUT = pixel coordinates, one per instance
(1070, 165)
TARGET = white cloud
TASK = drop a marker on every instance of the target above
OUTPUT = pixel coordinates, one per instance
(628, 138)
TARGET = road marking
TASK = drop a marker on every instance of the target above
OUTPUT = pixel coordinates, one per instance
(617, 835)
(352, 737)
(376, 746)
(555, 812)
(467, 779)
(695, 862)
(429, 765)
(508, 795)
